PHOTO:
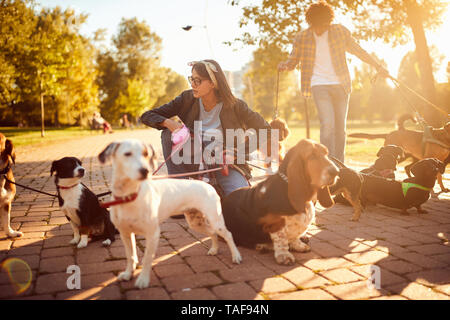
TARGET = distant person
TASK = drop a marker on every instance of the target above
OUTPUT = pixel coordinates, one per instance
(211, 101)
(321, 51)
(98, 122)
(124, 122)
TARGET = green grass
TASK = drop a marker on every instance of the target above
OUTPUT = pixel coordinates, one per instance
(359, 150)
(32, 136)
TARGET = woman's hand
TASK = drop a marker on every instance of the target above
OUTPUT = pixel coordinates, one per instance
(172, 125)
(282, 66)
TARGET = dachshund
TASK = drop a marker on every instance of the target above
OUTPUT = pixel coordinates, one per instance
(417, 144)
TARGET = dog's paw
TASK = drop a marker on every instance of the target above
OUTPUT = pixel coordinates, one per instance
(299, 246)
(285, 258)
(75, 240)
(213, 251)
(82, 244)
(124, 276)
(143, 281)
(107, 242)
(15, 234)
(236, 257)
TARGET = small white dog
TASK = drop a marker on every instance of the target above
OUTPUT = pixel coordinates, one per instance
(142, 204)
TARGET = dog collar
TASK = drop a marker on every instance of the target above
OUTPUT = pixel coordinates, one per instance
(407, 185)
(119, 200)
(69, 187)
(5, 169)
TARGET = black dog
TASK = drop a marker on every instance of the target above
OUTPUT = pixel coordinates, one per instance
(386, 164)
(81, 205)
(412, 192)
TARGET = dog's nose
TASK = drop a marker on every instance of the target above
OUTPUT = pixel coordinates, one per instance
(81, 172)
(143, 172)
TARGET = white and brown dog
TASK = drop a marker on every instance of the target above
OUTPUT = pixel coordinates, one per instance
(142, 204)
(7, 189)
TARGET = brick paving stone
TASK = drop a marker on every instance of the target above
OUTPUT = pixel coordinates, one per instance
(56, 252)
(37, 297)
(194, 294)
(304, 278)
(431, 277)
(176, 269)
(308, 294)
(90, 255)
(353, 291)
(327, 263)
(107, 266)
(272, 285)
(50, 283)
(393, 297)
(243, 273)
(148, 294)
(421, 260)
(55, 242)
(351, 245)
(5, 244)
(444, 289)
(369, 257)
(341, 275)
(417, 291)
(399, 266)
(327, 250)
(205, 263)
(97, 280)
(99, 293)
(23, 251)
(387, 278)
(129, 285)
(56, 264)
(176, 283)
(17, 243)
(431, 249)
(235, 291)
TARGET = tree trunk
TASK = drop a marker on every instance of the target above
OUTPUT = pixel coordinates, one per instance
(42, 114)
(424, 60)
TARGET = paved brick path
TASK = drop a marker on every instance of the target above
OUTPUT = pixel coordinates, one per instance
(412, 252)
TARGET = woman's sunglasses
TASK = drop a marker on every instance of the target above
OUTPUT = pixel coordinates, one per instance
(195, 81)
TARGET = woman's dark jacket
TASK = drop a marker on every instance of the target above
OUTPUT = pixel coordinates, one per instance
(187, 108)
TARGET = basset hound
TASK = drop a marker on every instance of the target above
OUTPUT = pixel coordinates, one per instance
(280, 208)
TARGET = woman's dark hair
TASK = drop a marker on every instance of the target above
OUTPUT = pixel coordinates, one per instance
(319, 13)
(223, 90)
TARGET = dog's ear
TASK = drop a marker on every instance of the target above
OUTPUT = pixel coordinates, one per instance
(299, 186)
(380, 152)
(53, 167)
(324, 197)
(105, 155)
(153, 160)
(78, 161)
(9, 149)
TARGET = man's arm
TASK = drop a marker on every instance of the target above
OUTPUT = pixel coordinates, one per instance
(354, 48)
(294, 57)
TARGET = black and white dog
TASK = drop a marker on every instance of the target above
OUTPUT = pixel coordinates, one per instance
(81, 205)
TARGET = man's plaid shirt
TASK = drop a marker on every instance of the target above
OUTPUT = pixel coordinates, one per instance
(340, 41)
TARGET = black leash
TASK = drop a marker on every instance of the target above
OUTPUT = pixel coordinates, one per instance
(49, 194)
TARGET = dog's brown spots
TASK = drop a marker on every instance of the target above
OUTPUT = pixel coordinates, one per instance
(272, 223)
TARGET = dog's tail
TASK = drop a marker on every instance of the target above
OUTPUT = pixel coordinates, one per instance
(403, 118)
(369, 135)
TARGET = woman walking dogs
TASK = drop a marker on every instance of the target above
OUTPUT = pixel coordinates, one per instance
(321, 50)
(211, 102)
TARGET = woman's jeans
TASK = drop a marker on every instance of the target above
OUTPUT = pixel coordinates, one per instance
(332, 106)
(233, 181)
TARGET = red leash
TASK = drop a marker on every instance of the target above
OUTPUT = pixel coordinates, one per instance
(119, 200)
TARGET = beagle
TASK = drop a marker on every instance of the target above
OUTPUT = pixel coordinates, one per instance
(7, 189)
(280, 209)
(145, 203)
